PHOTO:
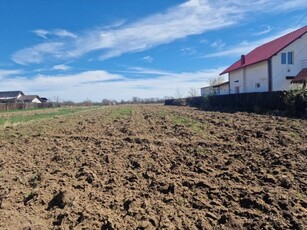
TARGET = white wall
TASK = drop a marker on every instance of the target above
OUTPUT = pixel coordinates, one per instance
(35, 100)
(236, 79)
(223, 89)
(206, 91)
(257, 74)
(247, 78)
(280, 71)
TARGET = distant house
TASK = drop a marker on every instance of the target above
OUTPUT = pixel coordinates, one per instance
(29, 99)
(10, 96)
(272, 66)
(207, 90)
(219, 89)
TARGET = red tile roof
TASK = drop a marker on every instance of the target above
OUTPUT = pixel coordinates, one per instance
(268, 50)
(301, 77)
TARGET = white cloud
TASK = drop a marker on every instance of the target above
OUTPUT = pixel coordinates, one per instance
(188, 51)
(99, 84)
(41, 33)
(36, 54)
(115, 24)
(192, 17)
(61, 67)
(56, 32)
(7, 72)
(189, 18)
(148, 59)
(291, 5)
(246, 46)
(64, 33)
(145, 71)
(218, 44)
(266, 29)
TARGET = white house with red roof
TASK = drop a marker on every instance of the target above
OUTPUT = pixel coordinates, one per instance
(272, 66)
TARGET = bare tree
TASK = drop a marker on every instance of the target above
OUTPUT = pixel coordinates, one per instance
(179, 93)
(57, 100)
(193, 92)
(216, 80)
(136, 100)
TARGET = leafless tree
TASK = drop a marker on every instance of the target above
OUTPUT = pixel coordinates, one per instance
(179, 93)
(193, 92)
(216, 80)
(136, 100)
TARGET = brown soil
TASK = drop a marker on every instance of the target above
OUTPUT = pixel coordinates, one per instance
(154, 167)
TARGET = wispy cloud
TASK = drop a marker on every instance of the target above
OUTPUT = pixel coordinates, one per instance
(265, 29)
(189, 18)
(246, 46)
(148, 59)
(62, 81)
(100, 84)
(188, 51)
(56, 32)
(291, 5)
(61, 67)
(36, 54)
(144, 71)
(218, 44)
(8, 72)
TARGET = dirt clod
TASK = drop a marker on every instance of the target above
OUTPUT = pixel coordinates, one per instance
(154, 167)
(57, 201)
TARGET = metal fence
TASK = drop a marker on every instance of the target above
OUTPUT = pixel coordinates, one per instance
(265, 100)
(246, 101)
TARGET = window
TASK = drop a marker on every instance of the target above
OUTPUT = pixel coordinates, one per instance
(287, 57)
(257, 85)
(290, 57)
(283, 58)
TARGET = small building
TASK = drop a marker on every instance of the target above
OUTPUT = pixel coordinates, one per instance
(301, 78)
(207, 90)
(10, 96)
(271, 66)
(29, 99)
(221, 89)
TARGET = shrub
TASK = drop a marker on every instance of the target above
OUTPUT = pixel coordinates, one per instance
(296, 102)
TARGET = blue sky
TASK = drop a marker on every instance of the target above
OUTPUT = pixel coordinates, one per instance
(78, 49)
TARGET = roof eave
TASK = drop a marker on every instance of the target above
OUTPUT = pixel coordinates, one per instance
(225, 71)
(241, 67)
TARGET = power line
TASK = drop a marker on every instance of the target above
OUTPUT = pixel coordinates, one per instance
(301, 20)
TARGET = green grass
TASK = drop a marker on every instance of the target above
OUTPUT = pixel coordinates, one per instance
(21, 118)
(162, 113)
(124, 112)
(185, 121)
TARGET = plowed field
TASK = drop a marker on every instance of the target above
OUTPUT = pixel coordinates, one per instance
(154, 167)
